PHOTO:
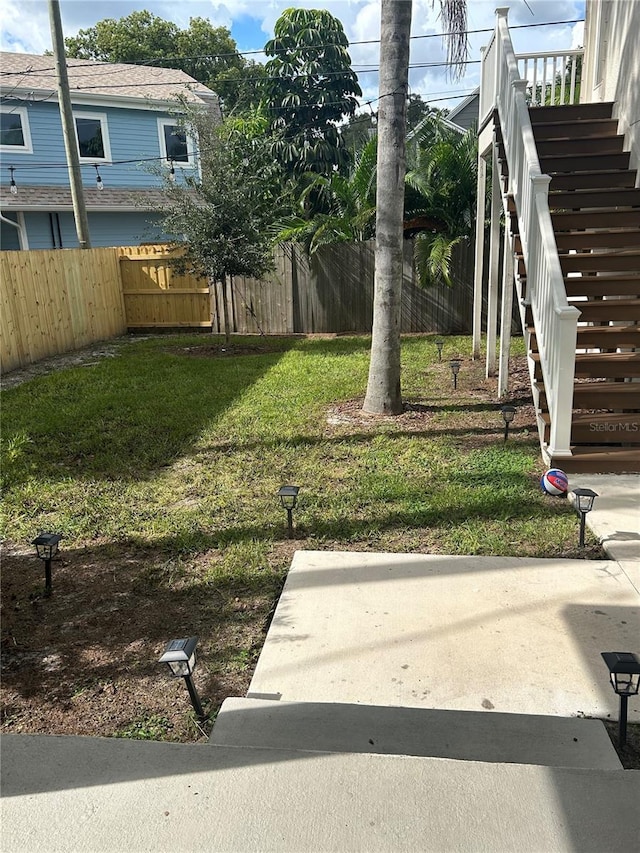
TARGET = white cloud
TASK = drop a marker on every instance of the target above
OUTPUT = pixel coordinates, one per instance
(25, 28)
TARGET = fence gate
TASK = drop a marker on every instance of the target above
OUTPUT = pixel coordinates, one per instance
(155, 295)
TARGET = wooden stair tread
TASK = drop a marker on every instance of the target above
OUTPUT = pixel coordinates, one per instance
(601, 365)
(580, 147)
(605, 331)
(571, 200)
(567, 130)
(621, 357)
(605, 239)
(596, 417)
(572, 163)
(570, 112)
(597, 219)
(593, 180)
(590, 459)
(606, 262)
(612, 286)
(631, 304)
(605, 388)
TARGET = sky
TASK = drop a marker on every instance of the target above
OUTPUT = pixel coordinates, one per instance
(24, 27)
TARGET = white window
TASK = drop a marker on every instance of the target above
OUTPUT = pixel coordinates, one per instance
(176, 146)
(93, 137)
(14, 130)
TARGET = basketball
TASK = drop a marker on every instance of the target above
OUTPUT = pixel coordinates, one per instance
(554, 482)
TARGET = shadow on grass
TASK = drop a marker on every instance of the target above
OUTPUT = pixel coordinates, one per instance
(311, 523)
(124, 418)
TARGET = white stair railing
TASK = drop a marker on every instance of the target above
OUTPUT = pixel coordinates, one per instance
(555, 321)
(553, 79)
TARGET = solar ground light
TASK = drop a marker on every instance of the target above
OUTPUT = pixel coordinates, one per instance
(289, 498)
(180, 657)
(439, 342)
(624, 670)
(584, 499)
(508, 414)
(46, 548)
(455, 370)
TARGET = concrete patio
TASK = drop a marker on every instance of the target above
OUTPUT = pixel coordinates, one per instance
(519, 636)
(401, 703)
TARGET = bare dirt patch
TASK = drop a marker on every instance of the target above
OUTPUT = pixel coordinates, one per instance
(84, 661)
(79, 358)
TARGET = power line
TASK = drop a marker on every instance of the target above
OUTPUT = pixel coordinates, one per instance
(161, 159)
(150, 62)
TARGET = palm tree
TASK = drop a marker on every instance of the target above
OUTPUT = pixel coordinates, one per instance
(384, 394)
(383, 387)
(348, 207)
(441, 182)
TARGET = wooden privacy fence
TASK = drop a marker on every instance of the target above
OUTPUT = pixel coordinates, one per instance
(54, 301)
(332, 292)
(155, 295)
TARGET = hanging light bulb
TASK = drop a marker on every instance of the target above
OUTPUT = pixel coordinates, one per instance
(172, 172)
(99, 183)
(13, 186)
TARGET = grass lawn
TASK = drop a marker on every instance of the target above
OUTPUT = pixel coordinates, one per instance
(160, 467)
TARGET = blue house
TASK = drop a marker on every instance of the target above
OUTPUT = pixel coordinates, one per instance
(126, 119)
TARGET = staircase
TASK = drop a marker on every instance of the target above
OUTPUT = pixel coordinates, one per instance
(595, 213)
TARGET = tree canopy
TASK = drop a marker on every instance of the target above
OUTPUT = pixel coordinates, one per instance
(309, 88)
(208, 54)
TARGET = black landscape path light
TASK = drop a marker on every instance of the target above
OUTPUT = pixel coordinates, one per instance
(624, 671)
(289, 498)
(455, 370)
(439, 344)
(508, 414)
(584, 499)
(46, 548)
(180, 657)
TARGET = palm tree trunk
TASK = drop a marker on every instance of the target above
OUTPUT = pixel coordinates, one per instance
(384, 395)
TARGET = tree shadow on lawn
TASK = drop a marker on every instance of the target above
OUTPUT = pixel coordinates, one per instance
(315, 519)
(102, 423)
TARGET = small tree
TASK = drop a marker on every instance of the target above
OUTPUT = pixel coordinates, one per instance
(221, 219)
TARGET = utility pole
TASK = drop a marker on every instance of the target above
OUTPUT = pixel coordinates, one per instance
(68, 129)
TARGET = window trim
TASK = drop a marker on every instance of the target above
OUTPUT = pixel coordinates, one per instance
(104, 127)
(191, 152)
(27, 148)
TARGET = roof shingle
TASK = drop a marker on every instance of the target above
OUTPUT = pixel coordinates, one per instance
(24, 72)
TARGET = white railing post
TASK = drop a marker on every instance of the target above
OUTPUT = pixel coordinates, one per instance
(506, 314)
(494, 265)
(479, 257)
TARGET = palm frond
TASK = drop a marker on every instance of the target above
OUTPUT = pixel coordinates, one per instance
(432, 258)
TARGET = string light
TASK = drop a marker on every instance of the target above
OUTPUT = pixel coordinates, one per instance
(99, 183)
(13, 185)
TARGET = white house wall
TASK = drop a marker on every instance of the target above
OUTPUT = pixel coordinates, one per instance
(612, 64)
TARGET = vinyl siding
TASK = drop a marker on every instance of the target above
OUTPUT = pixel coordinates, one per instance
(105, 229)
(9, 240)
(133, 136)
